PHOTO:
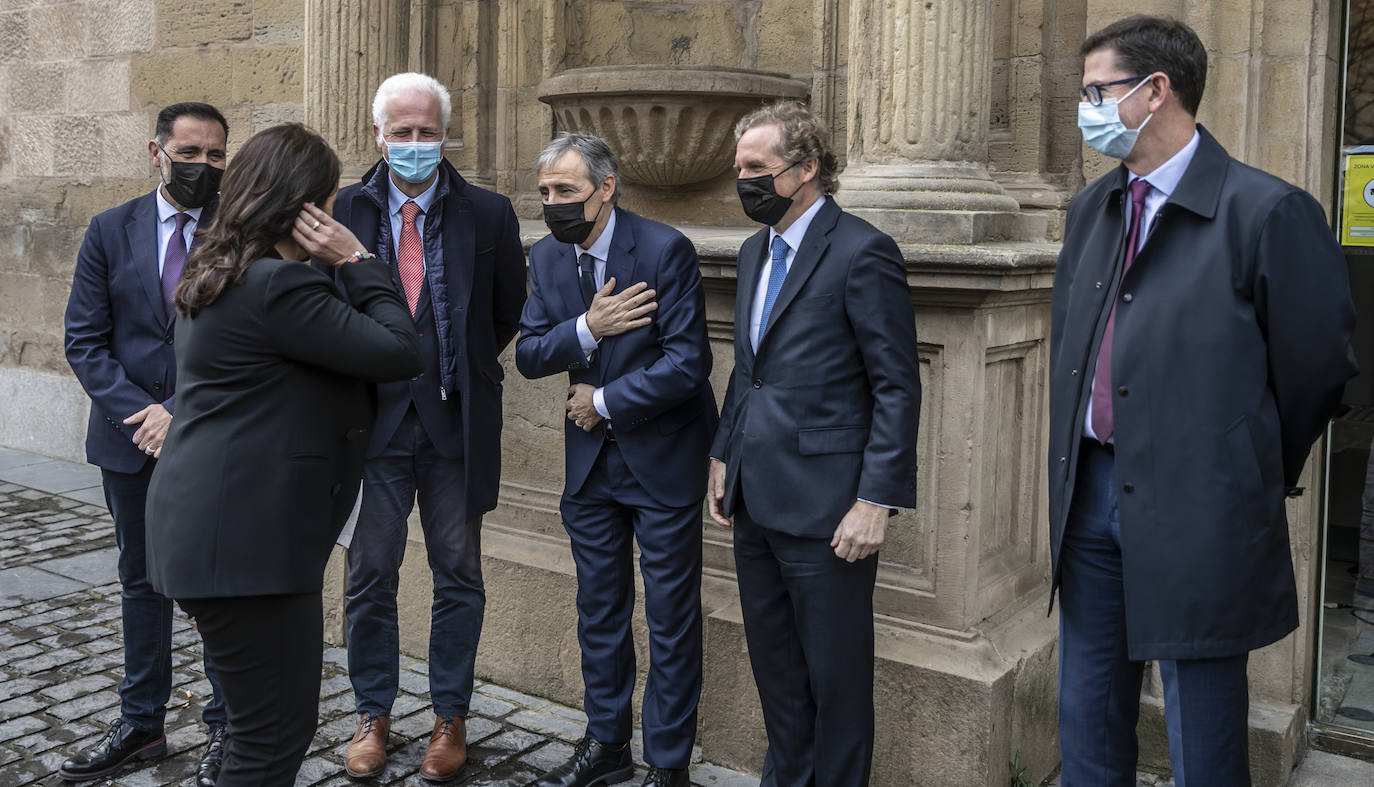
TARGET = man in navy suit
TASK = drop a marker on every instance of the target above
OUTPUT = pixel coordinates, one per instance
(119, 343)
(616, 302)
(455, 252)
(816, 446)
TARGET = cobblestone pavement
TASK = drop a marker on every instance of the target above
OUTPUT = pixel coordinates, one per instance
(61, 660)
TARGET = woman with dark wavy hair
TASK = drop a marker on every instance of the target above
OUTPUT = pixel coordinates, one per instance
(261, 465)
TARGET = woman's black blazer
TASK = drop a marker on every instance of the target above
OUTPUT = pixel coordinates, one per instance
(261, 465)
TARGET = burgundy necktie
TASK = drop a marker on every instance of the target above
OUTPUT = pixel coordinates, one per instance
(173, 261)
(1103, 422)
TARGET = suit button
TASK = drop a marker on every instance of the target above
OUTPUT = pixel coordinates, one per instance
(1073, 373)
(169, 340)
(758, 382)
(1123, 390)
(354, 433)
(1127, 297)
(1128, 488)
(157, 386)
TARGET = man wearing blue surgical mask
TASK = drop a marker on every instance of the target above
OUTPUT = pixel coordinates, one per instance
(1200, 341)
(456, 253)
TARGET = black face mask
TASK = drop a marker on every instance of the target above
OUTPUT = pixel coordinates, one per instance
(192, 185)
(761, 199)
(568, 220)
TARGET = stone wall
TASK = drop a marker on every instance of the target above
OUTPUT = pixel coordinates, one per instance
(80, 85)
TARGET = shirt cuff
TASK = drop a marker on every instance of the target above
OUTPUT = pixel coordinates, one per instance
(585, 338)
(893, 509)
(599, 402)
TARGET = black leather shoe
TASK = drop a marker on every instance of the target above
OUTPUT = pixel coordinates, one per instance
(591, 763)
(122, 743)
(667, 777)
(207, 773)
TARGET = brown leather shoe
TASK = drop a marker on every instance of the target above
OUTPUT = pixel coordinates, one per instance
(367, 752)
(448, 749)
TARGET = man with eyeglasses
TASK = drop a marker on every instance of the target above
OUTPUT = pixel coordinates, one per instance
(1200, 340)
(119, 328)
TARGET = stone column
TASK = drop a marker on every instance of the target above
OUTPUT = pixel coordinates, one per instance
(350, 47)
(919, 73)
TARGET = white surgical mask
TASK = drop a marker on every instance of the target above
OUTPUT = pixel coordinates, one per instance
(1102, 127)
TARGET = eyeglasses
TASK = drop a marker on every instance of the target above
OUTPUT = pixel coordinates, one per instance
(1092, 94)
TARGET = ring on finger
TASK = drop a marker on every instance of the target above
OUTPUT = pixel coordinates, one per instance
(316, 225)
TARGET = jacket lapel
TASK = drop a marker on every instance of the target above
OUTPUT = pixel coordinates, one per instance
(141, 231)
(620, 265)
(746, 284)
(804, 263)
(460, 247)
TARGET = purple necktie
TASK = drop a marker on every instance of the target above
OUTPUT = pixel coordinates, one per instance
(1103, 423)
(174, 261)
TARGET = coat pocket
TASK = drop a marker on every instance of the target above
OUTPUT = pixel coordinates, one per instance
(832, 440)
(1246, 479)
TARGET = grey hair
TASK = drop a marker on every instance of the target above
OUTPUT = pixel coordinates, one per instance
(397, 84)
(801, 135)
(596, 154)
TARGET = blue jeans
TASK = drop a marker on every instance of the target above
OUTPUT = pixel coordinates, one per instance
(1206, 701)
(147, 683)
(410, 464)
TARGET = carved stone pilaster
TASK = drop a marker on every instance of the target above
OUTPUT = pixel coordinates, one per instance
(919, 74)
(349, 49)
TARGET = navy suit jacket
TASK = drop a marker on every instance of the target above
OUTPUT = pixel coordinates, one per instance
(655, 378)
(118, 332)
(826, 411)
(475, 315)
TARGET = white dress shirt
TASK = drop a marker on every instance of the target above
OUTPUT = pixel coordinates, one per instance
(1163, 181)
(600, 251)
(167, 224)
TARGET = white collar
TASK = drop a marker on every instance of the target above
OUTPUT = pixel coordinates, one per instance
(601, 249)
(399, 199)
(797, 230)
(166, 210)
(1166, 176)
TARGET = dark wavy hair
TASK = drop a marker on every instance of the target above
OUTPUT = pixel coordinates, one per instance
(1146, 44)
(265, 186)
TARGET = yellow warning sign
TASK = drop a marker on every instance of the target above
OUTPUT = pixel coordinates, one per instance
(1357, 213)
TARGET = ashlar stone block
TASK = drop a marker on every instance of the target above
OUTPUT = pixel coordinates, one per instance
(169, 76)
(268, 75)
(198, 22)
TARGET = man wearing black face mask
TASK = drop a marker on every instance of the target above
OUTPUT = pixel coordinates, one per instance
(816, 445)
(119, 343)
(640, 415)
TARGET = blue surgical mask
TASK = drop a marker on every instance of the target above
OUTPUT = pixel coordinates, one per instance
(1102, 127)
(414, 162)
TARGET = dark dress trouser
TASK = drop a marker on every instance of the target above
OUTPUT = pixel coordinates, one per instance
(604, 519)
(268, 651)
(146, 614)
(1206, 701)
(808, 618)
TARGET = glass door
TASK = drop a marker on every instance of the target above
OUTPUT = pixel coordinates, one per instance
(1344, 707)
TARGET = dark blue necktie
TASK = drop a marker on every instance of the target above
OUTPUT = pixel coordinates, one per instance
(776, 273)
(586, 266)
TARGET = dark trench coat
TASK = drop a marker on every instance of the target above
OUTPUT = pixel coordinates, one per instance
(1232, 345)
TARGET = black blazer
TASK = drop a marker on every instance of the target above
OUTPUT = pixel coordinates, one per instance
(261, 466)
(826, 411)
(1230, 351)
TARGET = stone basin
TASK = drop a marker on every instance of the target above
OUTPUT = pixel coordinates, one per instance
(668, 125)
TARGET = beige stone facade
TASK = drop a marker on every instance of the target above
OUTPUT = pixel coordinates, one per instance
(956, 119)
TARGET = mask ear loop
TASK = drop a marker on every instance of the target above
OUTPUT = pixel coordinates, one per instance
(1147, 80)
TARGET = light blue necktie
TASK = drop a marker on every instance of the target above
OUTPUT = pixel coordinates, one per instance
(775, 277)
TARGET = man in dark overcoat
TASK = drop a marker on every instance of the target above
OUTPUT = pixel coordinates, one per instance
(1199, 344)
